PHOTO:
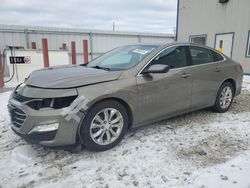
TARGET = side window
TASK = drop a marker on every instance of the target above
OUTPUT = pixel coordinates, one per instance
(201, 55)
(175, 57)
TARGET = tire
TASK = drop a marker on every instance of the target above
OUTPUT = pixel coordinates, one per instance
(220, 105)
(99, 133)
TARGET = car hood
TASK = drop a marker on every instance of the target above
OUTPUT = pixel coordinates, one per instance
(61, 77)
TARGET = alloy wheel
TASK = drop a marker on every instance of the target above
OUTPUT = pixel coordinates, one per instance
(106, 126)
(226, 97)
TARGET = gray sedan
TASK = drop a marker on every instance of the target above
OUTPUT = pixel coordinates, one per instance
(95, 104)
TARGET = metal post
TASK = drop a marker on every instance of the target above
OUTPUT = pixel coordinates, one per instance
(33, 45)
(73, 52)
(45, 52)
(85, 52)
(17, 77)
(1, 73)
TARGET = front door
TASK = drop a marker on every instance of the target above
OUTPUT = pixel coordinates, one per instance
(169, 93)
(224, 43)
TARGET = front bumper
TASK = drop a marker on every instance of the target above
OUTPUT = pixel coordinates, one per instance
(36, 138)
(24, 119)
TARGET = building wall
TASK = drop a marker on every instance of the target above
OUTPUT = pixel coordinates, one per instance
(98, 41)
(199, 17)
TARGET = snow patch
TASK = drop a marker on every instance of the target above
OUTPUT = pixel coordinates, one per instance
(246, 83)
(24, 155)
(199, 149)
(233, 174)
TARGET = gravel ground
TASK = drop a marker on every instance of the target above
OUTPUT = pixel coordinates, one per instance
(165, 154)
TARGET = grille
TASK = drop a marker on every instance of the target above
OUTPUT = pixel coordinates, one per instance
(21, 98)
(17, 116)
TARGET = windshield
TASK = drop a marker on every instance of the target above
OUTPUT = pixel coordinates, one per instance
(122, 58)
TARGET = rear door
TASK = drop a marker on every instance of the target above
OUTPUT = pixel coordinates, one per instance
(169, 93)
(207, 75)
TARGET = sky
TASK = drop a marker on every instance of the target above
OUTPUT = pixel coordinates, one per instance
(158, 16)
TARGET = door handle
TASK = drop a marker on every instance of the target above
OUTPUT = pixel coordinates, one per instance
(217, 70)
(185, 75)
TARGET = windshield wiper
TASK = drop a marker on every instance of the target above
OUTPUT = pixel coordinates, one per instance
(99, 67)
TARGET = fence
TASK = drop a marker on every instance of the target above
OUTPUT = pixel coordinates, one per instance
(81, 45)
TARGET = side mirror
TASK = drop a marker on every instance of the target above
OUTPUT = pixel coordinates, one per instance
(156, 69)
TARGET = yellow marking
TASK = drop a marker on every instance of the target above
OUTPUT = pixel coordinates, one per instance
(219, 49)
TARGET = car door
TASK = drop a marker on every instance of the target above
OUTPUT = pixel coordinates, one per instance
(207, 75)
(165, 94)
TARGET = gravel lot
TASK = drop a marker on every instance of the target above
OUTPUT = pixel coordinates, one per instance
(184, 151)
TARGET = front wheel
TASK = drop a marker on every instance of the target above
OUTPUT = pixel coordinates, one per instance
(104, 125)
(224, 98)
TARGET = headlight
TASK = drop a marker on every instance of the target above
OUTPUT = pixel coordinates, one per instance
(55, 103)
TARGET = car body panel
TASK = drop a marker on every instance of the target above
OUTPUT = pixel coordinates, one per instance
(148, 98)
(206, 82)
(163, 94)
(232, 70)
(66, 133)
(124, 89)
(69, 77)
(34, 92)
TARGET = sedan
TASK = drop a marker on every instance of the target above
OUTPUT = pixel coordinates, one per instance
(130, 86)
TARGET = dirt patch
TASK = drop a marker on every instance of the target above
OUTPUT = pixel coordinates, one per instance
(213, 150)
(242, 102)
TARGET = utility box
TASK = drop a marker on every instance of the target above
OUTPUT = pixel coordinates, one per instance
(22, 62)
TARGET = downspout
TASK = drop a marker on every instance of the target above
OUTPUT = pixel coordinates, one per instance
(177, 20)
(91, 45)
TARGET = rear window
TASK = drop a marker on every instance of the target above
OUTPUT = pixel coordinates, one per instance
(217, 56)
(203, 55)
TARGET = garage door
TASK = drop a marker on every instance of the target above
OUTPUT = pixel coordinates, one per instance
(224, 43)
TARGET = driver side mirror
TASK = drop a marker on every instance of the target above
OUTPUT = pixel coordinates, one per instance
(156, 69)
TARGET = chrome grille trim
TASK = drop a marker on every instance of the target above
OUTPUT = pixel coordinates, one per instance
(17, 115)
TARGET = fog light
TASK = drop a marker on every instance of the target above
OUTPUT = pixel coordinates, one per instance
(46, 127)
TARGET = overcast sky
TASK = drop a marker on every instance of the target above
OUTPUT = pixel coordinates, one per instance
(129, 15)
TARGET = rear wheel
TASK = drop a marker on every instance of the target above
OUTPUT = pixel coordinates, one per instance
(104, 125)
(224, 98)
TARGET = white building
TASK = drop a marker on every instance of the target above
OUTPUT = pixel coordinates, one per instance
(221, 24)
(98, 41)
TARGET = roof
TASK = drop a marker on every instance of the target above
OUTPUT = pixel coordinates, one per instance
(50, 30)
